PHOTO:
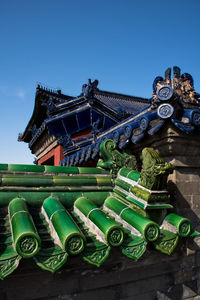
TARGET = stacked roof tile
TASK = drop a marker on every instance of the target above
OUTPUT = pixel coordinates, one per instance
(51, 213)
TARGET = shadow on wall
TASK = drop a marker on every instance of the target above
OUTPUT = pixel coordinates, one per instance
(182, 205)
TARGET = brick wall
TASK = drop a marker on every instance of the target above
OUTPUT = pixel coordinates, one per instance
(156, 276)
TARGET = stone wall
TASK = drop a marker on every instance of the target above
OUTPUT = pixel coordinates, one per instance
(155, 277)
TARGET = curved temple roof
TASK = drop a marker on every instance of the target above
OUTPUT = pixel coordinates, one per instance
(174, 100)
(51, 213)
(80, 124)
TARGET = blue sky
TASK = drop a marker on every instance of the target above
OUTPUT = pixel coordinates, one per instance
(123, 44)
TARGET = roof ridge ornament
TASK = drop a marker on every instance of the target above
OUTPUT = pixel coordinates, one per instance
(180, 88)
(155, 170)
(113, 159)
(49, 90)
(65, 141)
(87, 89)
(49, 103)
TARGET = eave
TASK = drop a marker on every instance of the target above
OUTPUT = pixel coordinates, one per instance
(40, 110)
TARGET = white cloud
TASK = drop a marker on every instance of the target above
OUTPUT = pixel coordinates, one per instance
(5, 91)
(21, 94)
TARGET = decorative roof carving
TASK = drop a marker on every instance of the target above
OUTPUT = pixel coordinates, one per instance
(20, 135)
(36, 132)
(51, 107)
(33, 129)
(180, 87)
(65, 141)
(154, 171)
(113, 159)
(87, 89)
(96, 128)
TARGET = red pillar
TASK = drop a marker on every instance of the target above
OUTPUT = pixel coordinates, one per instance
(52, 157)
(58, 155)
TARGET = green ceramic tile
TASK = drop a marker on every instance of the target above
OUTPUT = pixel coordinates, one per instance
(112, 231)
(6, 197)
(104, 180)
(3, 167)
(26, 180)
(25, 237)
(25, 168)
(74, 180)
(70, 236)
(34, 199)
(56, 169)
(83, 170)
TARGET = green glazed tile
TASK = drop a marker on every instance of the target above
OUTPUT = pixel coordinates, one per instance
(133, 247)
(183, 225)
(122, 184)
(145, 226)
(25, 168)
(83, 170)
(112, 230)
(104, 180)
(50, 261)
(56, 169)
(97, 198)
(166, 242)
(67, 198)
(70, 236)
(22, 180)
(6, 197)
(7, 266)
(25, 237)
(3, 167)
(96, 253)
(34, 198)
(74, 181)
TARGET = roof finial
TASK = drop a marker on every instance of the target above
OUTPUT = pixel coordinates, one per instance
(177, 72)
(88, 88)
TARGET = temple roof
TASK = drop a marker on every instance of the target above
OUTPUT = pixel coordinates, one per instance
(40, 114)
(52, 213)
(50, 105)
(80, 124)
(174, 100)
(121, 103)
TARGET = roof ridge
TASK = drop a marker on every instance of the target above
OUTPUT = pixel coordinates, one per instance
(114, 94)
(53, 92)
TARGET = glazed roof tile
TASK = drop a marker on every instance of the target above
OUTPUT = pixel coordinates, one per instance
(122, 103)
(51, 213)
(51, 104)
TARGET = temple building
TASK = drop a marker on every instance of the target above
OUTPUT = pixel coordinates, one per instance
(111, 208)
(68, 131)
